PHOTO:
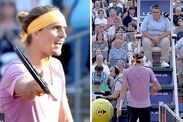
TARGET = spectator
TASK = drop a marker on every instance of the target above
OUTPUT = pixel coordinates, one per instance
(129, 36)
(130, 15)
(101, 44)
(99, 29)
(112, 17)
(115, 84)
(98, 52)
(119, 4)
(118, 9)
(96, 9)
(99, 61)
(134, 21)
(156, 29)
(132, 27)
(132, 48)
(121, 66)
(177, 4)
(180, 33)
(117, 27)
(179, 20)
(99, 77)
(103, 4)
(176, 15)
(120, 37)
(100, 19)
(129, 4)
(137, 80)
(103, 30)
(117, 52)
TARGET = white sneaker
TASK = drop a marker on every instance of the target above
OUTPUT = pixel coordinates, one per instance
(148, 64)
(164, 64)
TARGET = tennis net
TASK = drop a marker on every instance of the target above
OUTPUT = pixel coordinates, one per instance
(167, 115)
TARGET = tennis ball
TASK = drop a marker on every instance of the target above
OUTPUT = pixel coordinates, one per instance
(102, 110)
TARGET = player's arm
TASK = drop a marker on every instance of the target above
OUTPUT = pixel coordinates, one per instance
(156, 86)
(121, 98)
(65, 113)
(27, 89)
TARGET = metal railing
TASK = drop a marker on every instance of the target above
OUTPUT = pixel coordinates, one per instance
(174, 76)
(77, 83)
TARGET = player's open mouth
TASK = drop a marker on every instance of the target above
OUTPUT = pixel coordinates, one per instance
(58, 43)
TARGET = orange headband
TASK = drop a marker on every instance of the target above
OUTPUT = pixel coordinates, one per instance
(43, 21)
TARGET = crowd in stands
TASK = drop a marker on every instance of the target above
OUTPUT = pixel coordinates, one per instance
(114, 26)
(114, 29)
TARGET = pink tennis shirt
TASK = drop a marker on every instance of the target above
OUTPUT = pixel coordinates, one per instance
(138, 79)
(43, 108)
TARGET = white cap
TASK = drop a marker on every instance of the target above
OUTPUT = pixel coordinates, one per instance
(134, 18)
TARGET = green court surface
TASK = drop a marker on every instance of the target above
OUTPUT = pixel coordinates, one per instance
(103, 87)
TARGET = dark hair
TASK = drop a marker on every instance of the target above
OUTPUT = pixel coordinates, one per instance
(132, 8)
(97, 36)
(116, 70)
(177, 19)
(26, 19)
(155, 7)
(99, 68)
(100, 11)
(97, 25)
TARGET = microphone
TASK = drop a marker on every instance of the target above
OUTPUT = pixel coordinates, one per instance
(165, 14)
